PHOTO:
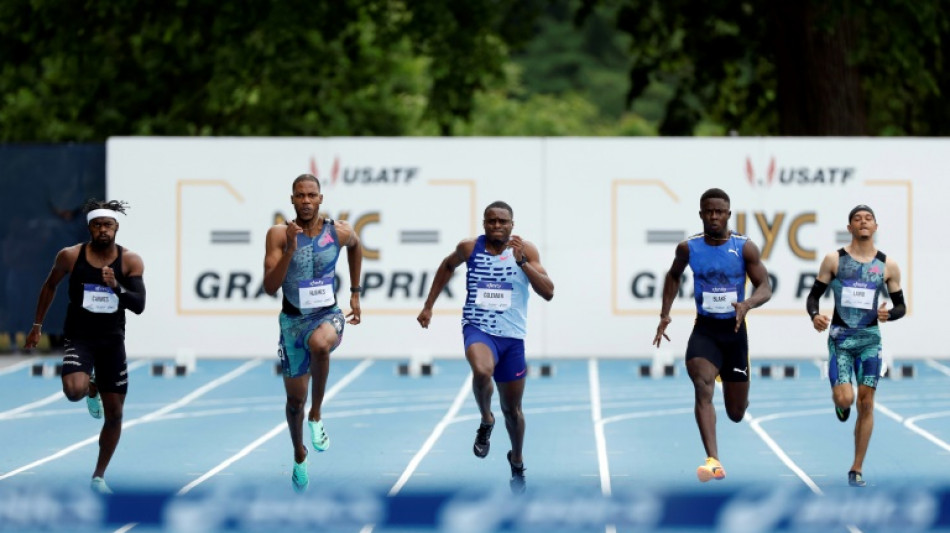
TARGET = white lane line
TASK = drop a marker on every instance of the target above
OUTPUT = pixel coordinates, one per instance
(12, 413)
(331, 392)
(649, 414)
(154, 414)
(756, 424)
(938, 366)
(888, 412)
(463, 392)
(593, 373)
(911, 423)
(17, 366)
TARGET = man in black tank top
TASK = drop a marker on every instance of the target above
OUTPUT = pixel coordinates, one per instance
(105, 279)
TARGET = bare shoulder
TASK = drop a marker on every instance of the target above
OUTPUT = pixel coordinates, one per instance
(466, 246)
(277, 233)
(131, 256)
(277, 228)
(343, 228)
(891, 266)
(69, 254)
(682, 250)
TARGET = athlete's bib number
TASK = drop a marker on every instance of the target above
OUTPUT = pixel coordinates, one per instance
(720, 300)
(99, 299)
(858, 295)
(316, 293)
(493, 295)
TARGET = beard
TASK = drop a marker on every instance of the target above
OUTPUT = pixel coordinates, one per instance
(102, 243)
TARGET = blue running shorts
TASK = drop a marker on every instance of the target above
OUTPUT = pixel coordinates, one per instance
(510, 364)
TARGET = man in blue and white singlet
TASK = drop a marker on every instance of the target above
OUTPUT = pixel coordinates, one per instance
(501, 268)
(301, 261)
(720, 260)
(858, 274)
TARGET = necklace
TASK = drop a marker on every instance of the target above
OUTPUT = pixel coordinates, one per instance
(708, 236)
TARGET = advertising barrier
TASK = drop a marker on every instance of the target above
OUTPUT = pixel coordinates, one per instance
(606, 215)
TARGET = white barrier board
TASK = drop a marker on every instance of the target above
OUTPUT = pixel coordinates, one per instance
(605, 213)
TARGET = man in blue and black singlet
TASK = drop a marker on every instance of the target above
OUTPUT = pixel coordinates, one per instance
(720, 260)
(501, 268)
(301, 260)
(105, 279)
(858, 274)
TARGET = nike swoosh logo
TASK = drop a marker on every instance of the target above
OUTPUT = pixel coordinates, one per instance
(503, 257)
(519, 374)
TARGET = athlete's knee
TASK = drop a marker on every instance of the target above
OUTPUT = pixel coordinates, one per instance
(113, 415)
(295, 404)
(321, 344)
(865, 404)
(512, 412)
(74, 393)
(482, 374)
(736, 414)
(843, 396)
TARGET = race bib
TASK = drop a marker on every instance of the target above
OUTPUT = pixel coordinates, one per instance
(316, 293)
(493, 295)
(720, 300)
(99, 299)
(858, 294)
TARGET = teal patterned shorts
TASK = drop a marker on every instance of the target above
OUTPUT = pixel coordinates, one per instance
(854, 351)
(295, 330)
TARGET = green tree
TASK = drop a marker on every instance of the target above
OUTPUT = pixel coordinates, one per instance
(813, 67)
(85, 70)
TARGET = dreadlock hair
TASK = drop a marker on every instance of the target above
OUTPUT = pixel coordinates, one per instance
(115, 205)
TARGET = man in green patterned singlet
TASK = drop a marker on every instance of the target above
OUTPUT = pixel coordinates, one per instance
(858, 274)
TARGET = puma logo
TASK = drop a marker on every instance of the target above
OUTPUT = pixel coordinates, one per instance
(743, 371)
(733, 250)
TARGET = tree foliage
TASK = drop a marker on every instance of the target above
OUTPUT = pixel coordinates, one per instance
(84, 70)
(87, 70)
(814, 67)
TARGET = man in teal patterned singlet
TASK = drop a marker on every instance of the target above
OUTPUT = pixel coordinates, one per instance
(858, 274)
(301, 261)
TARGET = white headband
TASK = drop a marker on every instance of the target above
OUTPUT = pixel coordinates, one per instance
(97, 213)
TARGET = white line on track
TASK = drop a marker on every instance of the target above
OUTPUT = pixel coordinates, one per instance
(134, 422)
(463, 392)
(17, 366)
(331, 392)
(938, 366)
(911, 424)
(593, 373)
(756, 425)
(12, 413)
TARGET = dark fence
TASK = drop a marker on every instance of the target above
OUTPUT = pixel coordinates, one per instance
(42, 191)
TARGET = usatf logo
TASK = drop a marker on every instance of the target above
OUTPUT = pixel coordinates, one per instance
(801, 175)
(334, 172)
(756, 181)
(394, 175)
